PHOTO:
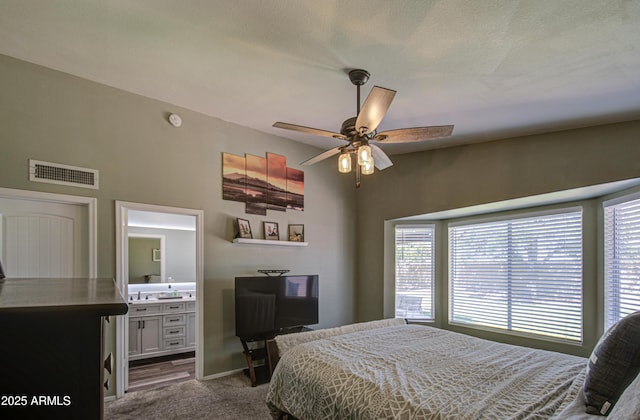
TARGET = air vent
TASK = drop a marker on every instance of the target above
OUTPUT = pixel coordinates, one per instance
(56, 173)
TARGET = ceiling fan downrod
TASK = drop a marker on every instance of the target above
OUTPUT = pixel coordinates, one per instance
(358, 77)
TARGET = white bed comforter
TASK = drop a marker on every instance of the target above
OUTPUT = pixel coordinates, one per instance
(418, 372)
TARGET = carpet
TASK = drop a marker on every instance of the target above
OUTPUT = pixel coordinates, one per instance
(229, 397)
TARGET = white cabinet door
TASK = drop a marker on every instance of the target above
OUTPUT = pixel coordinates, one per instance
(151, 334)
(135, 325)
(191, 330)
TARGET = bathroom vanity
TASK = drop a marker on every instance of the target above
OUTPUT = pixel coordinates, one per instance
(161, 323)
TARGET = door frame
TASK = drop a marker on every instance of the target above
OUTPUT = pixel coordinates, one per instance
(90, 203)
(122, 272)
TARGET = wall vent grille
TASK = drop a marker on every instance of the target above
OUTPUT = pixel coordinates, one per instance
(56, 173)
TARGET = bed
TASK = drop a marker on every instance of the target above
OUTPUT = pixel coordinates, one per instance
(393, 370)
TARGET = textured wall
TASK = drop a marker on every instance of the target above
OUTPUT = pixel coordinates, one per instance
(52, 116)
(459, 177)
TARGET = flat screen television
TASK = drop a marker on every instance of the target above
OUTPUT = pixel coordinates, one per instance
(266, 306)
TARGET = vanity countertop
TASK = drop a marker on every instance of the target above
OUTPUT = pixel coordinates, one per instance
(88, 295)
(155, 300)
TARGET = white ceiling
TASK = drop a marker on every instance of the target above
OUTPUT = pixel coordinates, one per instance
(495, 69)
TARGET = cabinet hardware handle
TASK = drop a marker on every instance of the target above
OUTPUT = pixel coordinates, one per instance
(174, 320)
(143, 324)
(174, 307)
(140, 309)
(108, 364)
(139, 324)
(174, 332)
(174, 343)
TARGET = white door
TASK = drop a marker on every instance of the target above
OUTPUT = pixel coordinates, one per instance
(43, 239)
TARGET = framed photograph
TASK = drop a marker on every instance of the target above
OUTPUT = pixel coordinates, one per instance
(296, 233)
(271, 231)
(244, 229)
(155, 254)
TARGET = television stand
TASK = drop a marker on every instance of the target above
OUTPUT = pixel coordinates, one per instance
(257, 374)
(267, 353)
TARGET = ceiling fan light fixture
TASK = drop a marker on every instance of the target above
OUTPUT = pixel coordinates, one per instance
(344, 162)
(358, 131)
(364, 154)
(368, 168)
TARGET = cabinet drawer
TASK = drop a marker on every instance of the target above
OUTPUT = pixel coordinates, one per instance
(174, 343)
(173, 307)
(191, 306)
(143, 309)
(171, 332)
(170, 320)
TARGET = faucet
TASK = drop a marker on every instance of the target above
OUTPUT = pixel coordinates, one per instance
(138, 294)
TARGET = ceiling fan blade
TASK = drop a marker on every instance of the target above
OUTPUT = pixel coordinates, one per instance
(408, 135)
(380, 158)
(309, 130)
(374, 109)
(322, 156)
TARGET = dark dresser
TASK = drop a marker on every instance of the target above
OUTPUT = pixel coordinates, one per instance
(52, 359)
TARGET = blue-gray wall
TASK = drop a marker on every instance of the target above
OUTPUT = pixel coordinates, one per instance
(55, 117)
(485, 173)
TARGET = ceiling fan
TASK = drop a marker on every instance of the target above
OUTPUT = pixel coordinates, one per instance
(360, 132)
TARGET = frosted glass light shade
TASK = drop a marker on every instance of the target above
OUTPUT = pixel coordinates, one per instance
(344, 163)
(364, 154)
(368, 167)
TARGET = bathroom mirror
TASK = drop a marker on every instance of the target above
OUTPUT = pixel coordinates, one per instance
(162, 248)
(145, 261)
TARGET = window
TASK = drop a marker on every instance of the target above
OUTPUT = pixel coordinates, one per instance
(414, 271)
(521, 275)
(621, 259)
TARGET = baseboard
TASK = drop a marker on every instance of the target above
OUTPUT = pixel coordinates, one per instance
(214, 376)
(221, 374)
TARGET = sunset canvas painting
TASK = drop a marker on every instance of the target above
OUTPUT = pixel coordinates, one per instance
(295, 189)
(262, 183)
(277, 182)
(233, 178)
(256, 197)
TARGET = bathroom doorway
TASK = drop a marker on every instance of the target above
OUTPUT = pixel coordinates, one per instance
(168, 275)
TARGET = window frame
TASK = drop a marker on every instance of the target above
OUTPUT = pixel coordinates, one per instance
(606, 204)
(433, 280)
(524, 213)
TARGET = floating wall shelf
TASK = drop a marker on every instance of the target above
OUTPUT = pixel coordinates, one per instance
(268, 242)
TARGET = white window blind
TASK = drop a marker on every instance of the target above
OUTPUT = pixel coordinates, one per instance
(414, 271)
(522, 275)
(621, 260)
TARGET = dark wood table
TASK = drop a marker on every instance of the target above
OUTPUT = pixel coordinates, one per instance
(52, 351)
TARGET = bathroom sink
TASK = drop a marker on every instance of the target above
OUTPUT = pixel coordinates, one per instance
(143, 300)
(170, 297)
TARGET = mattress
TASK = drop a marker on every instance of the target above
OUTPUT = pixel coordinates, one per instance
(412, 371)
